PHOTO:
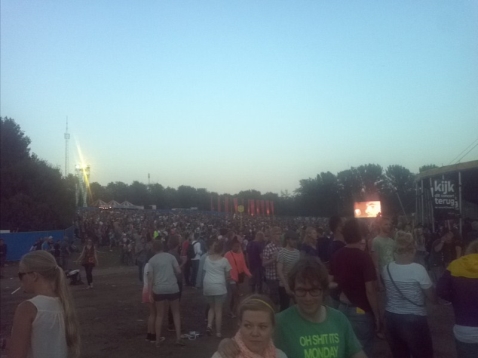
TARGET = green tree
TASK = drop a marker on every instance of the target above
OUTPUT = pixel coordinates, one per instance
(426, 167)
(34, 195)
(398, 186)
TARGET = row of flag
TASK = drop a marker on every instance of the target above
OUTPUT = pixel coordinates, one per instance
(253, 207)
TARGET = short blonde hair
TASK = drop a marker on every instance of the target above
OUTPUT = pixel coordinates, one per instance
(404, 243)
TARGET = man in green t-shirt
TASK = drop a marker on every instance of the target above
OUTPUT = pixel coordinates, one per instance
(309, 329)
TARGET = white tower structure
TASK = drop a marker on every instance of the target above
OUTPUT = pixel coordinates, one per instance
(67, 159)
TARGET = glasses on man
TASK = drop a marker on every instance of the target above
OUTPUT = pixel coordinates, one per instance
(21, 274)
(302, 292)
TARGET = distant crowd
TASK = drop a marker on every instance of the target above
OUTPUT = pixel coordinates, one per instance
(316, 287)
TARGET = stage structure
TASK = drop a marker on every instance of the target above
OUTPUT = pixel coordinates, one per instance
(82, 187)
(439, 193)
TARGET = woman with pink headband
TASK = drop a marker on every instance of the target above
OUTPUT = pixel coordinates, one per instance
(256, 327)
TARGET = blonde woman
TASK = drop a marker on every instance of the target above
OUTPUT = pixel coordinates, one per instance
(309, 244)
(407, 286)
(256, 327)
(46, 325)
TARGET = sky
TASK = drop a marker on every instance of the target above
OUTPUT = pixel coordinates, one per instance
(236, 95)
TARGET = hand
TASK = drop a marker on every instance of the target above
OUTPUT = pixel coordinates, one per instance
(228, 348)
(379, 327)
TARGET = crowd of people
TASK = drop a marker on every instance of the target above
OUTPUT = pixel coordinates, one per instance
(317, 287)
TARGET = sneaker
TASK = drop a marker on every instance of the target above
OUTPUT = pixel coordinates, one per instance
(218, 335)
(180, 343)
(159, 341)
(209, 331)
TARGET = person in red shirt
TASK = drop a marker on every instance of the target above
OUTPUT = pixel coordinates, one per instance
(354, 272)
(238, 272)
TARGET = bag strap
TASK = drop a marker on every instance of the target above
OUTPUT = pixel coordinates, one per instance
(398, 290)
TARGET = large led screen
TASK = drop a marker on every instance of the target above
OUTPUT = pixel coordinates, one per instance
(367, 209)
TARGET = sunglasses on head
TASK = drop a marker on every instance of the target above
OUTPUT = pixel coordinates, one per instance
(21, 274)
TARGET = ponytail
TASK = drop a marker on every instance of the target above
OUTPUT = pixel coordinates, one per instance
(72, 334)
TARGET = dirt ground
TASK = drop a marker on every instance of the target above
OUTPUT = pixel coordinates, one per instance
(113, 320)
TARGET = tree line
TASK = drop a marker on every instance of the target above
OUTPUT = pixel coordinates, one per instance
(325, 195)
(35, 196)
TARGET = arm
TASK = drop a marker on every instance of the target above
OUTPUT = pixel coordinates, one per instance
(96, 257)
(80, 258)
(444, 286)
(150, 276)
(282, 278)
(21, 330)
(458, 251)
(431, 295)
(228, 275)
(245, 268)
(371, 291)
(176, 267)
(184, 259)
(439, 245)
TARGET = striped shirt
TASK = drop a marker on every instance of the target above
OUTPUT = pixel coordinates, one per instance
(287, 258)
(411, 280)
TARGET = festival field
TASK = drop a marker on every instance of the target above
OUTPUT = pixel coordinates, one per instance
(112, 318)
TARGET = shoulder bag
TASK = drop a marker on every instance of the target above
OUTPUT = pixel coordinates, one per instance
(398, 290)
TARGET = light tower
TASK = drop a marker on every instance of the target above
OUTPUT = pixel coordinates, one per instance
(67, 139)
(83, 184)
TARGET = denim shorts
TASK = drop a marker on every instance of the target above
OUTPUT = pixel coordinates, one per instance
(215, 299)
(166, 296)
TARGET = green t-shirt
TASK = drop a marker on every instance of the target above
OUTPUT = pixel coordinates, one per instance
(299, 338)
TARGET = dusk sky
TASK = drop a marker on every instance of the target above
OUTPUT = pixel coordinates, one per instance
(235, 95)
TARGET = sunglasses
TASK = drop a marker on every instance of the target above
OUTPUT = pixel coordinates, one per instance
(21, 274)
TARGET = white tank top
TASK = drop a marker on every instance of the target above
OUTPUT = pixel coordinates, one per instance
(48, 329)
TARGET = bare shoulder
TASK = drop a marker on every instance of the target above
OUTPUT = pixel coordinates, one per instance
(26, 310)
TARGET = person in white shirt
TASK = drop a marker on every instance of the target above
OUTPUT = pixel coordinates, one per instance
(407, 285)
(46, 325)
(216, 275)
(196, 245)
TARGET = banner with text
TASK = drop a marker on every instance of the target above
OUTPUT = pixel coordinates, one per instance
(445, 198)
